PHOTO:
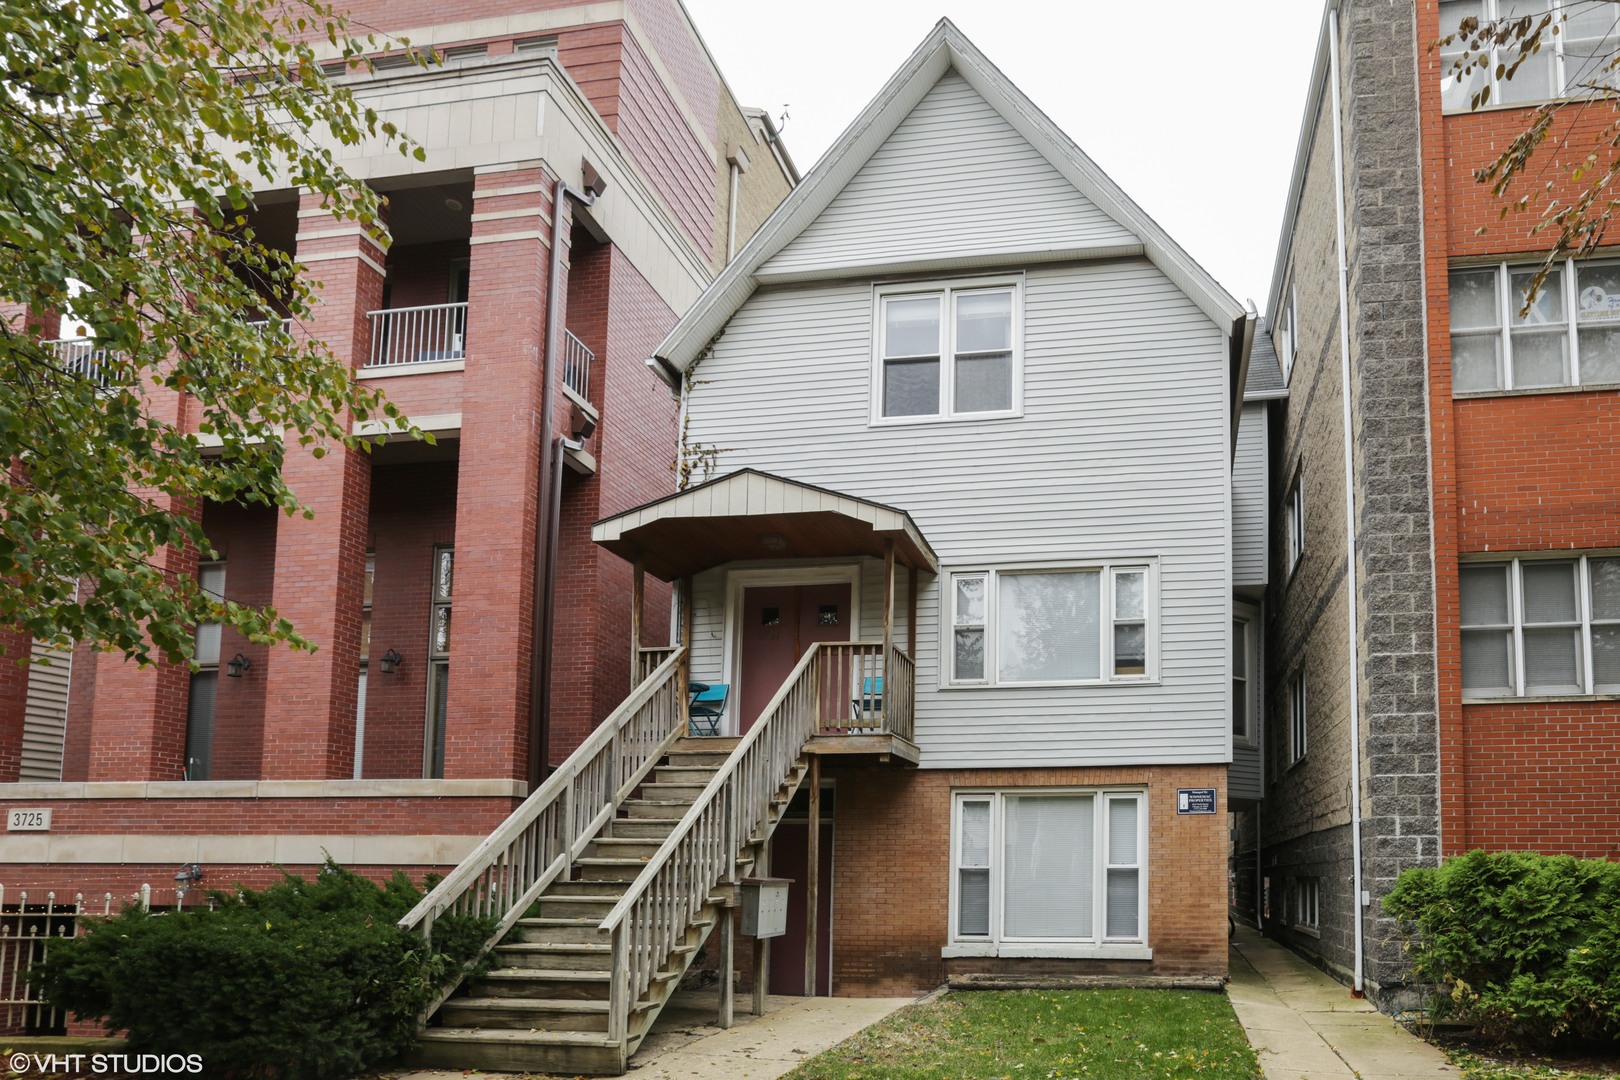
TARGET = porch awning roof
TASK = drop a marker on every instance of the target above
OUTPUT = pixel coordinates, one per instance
(753, 515)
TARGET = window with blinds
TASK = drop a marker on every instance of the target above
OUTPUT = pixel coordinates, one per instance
(1540, 627)
(1048, 867)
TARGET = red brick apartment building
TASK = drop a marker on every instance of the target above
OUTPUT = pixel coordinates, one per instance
(400, 743)
(1478, 610)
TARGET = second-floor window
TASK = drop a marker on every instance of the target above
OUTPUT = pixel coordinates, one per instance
(1570, 335)
(1294, 521)
(1567, 64)
(1298, 728)
(948, 352)
(1540, 627)
(1052, 626)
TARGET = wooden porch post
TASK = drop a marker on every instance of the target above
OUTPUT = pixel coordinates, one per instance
(638, 596)
(888, 627)
(762, 946)
(728, 937)
(911, 612)
(812, 878)
(684, 676)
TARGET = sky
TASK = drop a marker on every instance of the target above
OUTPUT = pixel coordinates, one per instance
(1195, 116)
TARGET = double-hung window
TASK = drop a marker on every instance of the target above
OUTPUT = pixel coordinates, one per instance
(1541, 627)
(1245, 679)
(438, 705)
(1035, 871)
(1052, 626)
(204, 695)
(1570, 335)
(1286, 340)
(1573, 56)
(948, 352)
(1298, 717)
(1294, 521)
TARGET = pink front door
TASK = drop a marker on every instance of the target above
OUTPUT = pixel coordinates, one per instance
(779, 622)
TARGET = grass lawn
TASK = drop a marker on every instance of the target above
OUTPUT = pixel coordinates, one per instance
(1047, 1035)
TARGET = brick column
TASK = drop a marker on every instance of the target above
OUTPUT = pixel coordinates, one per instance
(13, 699)
(497, 494)
(310, 699)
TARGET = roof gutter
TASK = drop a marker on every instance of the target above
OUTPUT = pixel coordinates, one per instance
(1351, 638)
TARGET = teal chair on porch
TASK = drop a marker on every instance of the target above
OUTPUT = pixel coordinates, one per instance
(869, 706)
(705, 707)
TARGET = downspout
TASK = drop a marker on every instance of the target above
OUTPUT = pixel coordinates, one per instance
(545, 529)
(1357, 987)
(731, 215)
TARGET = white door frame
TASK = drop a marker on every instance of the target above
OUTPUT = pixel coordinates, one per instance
(737, 580)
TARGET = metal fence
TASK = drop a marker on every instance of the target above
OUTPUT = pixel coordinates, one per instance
(577, 361)
(80, 357)
(417, 335)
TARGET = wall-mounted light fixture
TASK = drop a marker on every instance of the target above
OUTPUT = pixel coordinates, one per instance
(389, 661)
(236, 665)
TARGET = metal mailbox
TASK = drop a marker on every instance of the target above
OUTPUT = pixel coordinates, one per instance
(764, 906)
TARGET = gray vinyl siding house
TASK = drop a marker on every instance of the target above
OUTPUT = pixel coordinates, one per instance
(958, 325)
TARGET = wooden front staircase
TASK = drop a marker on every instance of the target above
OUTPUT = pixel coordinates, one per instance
(605, 883)
(545, 1005)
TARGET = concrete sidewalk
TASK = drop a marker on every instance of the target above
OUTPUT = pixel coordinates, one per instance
(1306, 1026)
(685, 1045)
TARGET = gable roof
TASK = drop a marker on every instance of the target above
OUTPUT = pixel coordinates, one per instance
(944, 49)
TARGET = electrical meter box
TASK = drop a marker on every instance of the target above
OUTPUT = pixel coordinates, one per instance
(764, 906)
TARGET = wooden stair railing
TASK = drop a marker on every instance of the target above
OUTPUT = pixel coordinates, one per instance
(538, 843)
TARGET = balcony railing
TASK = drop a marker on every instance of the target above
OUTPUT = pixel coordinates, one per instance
(80, 357)
(267, 326)
(577, 361)
(417, 335)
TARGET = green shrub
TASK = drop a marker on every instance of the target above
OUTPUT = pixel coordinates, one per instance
(306, 980)
(1525, 946)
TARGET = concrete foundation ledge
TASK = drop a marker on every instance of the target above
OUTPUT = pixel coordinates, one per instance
(1086, 982)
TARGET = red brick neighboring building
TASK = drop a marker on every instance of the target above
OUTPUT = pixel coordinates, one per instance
(399, 743)
(1461, 657)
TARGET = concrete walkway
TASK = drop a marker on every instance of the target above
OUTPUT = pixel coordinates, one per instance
(1306, 1026)
(685, 1045)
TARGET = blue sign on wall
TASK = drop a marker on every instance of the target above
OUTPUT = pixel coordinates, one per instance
(1195, 800)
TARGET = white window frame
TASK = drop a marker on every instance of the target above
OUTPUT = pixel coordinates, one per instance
(1304, 907)
(1287, 339)
(1586, 620)
(1098, 944)
(1106, 570)
(1491, 10)
(1294, 520)
(437, 659)
(1299, 716)
(947, 290)
(1507, 305)
(1246, 621)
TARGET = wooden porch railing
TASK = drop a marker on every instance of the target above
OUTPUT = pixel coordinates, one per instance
(655, 913)
(539, 842)
(648, 659)
(863, 695)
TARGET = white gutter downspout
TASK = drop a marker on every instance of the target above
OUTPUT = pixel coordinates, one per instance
(1349, 501)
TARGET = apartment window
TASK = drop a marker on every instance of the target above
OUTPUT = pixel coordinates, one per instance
(1044, 868)
(1294, 520)
(1297, 715)
(444, 565)
(545, 43)
(1540, 627)
(1303, 902)
(204, 680)
(1244, 682)
(1287, 337)
(365, 666)
(1570, 335)
(1568, 63)
(948, 352)
(1052, 626)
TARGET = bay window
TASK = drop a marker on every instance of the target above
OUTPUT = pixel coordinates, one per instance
(1051, 626)
(1034, 871)
(1540, 627)
(948, 352)
(1569, 336)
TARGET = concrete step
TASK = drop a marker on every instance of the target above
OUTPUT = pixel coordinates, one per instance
(558, 931)
(556, 956)
(569, 1053)
(548, 983)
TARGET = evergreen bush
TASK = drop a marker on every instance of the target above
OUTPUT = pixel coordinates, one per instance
(306, 980)
(1524, 946)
